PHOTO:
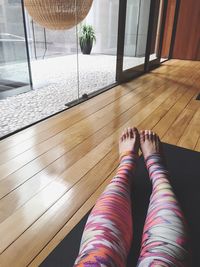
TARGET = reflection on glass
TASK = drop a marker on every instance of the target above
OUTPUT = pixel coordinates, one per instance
(156, 32)
(157, 28)
(13, 54)
(53, 56)
(171, 7)
(137, 19)
(57, 60)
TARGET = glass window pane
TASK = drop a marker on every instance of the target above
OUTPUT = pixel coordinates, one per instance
(137, 19)
(14, 71)
(157, 28)
(171, 8)
(97, 70)
(54, 63)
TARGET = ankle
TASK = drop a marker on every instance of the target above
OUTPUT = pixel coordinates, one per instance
(156, 156)
(128, 162)
(156, 166)
(128, 153)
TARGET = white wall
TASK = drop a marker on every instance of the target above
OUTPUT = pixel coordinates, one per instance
(103, 16)
(137, 18)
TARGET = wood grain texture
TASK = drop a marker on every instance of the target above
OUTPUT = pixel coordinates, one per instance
(188, 31)
(168, 28)
(70, 224)
(197, 147)
(45, 167)
(192, 132)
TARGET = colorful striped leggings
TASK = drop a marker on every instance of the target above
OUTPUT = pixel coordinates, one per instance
(107, 235)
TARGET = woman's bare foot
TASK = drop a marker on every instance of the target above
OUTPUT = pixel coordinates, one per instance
(149, 143)
(129, 141)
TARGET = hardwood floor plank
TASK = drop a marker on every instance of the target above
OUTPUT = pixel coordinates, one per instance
(14, 180)
(63, 210)
(12, 201)
(177, 129)
(164, 124)
(76, 112)
(191, 135)
(70, 224)
(32, 204)
(67, 134)
(28, 189)
(89, 106)
(58, 168)
(160, 112)
(197, 147)
(68, 120)
(123, 104)
(15, 225)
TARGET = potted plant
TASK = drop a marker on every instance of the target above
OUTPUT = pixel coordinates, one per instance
(86, 38)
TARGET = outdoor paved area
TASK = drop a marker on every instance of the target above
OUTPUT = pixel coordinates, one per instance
(55, 84)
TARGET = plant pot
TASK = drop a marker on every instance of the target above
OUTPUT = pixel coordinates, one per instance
(86, 47)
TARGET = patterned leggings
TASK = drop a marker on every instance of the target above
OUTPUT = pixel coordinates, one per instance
(107, 235)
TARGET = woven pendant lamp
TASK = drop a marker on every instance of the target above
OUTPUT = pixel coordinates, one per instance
(58, 14)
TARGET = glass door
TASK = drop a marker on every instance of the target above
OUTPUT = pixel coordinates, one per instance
(132, 38)
(53, 59)
(14, 66)
(97, 67)
(161, 31)
(156, 31)
(145, 36)
(172, 10)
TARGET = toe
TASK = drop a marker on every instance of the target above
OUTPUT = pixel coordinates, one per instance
(157, 138)
(150, 135)
(123, 136)
(135, 130)
(142, 135)
(127, 133)
(130, 132)
(158, 142)
(146, 133)
(154, 136)
(133, 133)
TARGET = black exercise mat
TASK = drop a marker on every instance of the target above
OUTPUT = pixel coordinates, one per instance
(184, 168)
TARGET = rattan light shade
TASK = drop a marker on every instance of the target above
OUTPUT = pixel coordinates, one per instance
(58, 14)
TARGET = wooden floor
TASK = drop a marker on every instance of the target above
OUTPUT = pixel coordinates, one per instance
(52, 173)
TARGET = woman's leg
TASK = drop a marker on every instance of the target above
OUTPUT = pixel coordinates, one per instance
(164, 240)
(107, 235)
